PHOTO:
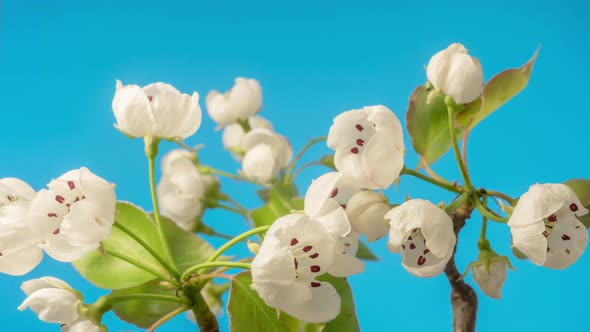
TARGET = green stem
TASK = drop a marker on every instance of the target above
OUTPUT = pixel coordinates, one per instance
(197, 267)
(237, 210)
(112, 299)
(224, 248)
(295, 160)
(167, 317)
(503, 196)
(151, 152)
(148, 248)
(485, 212)
(211, 170)
(484, 222)
(451, 108)
(237, 204)
(447, 186)
(140, 264)
(457, 202)
(302, 168)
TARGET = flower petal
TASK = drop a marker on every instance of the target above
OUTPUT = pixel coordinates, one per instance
(132, 111)
(323, 306)
(52, 305)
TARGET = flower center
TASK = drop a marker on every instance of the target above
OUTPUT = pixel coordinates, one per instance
(414, 249)
(304, 259)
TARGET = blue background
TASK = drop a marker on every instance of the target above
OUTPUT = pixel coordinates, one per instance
(59, 61)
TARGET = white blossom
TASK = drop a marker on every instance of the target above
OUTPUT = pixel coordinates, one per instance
(182, 188)
(19, 250)
(490, 278)
(81, 325)
(456, 74)
(52, 299)
(366, 211)
(233, 135)
(242, 101)
(545, 227)
(266, 154)
(74, 214)
(369, 146)
(156, 110)
(423, 233)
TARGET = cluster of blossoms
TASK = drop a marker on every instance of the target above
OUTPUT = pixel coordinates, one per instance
(67, 220)
(249, 137)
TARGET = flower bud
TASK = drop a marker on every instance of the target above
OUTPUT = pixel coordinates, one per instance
(456, 74)
(366, 211)
(53, 300)
(242, 101)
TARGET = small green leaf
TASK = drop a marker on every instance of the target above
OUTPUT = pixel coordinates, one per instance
(106, 271)
(143, 313)
(280, 203)
(496, 92)
(328, 161)
(248, 312)
(365, 253)
(582, 189)
(187, 248)
(346, 321)
(428, 124)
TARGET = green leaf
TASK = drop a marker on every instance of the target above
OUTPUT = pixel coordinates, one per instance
(278, 206)
(248, 312)
(365, 253)
(582, 189)
(496, 92)
(143, 313)
(106, 271)
(428, 125)
(187, 248)
(346, 321)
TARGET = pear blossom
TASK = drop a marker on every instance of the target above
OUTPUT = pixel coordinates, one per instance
(242, 101)
(52, 299)
(456, 74)
(233, 135)
(19, 250)
(369, 146)
(182, 188)
(366, 211)
(545, 227)
(490, 277)
(156, 110)
(73, 215)
(423, 234)
(266, 154)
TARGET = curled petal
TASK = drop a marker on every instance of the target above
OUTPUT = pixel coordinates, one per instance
(52, 305)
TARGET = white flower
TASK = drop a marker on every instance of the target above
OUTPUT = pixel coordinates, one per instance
(366, 211)
(544, 226)
(369, 146)
(74, 215)
(182, 188)
(81, 325)
(423, 233)
(242, 101)
(490, 279)
(297, 249)
(456, 74)
(233, 135)
(266, 154)
(53, 300)
(19, 250)
(156, 110)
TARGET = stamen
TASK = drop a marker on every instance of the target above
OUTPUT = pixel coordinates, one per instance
(315, 268)
(426, 251)
(56, 231)
(52, 215)
(360, 142)
(359, 127)
(72, 185)
(421, 260)
(334, 193)
(573, 207)
(294, 241)
(60, 199)
(314, 256)
(150, 98)
(552, 218)
(296, 263)
(307, 248)
(412, 245)
(315, 284)
(354, 150)
(565, 237)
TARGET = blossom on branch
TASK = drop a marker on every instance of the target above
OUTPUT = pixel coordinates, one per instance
(156, 110)
(366, 211)
(73, 215)
(240, 102)
(233, 135)
(182, 188)
(545, 227)
(456, 74)
(19, 250)
(369, 146)
(266, 153)
(423, 233)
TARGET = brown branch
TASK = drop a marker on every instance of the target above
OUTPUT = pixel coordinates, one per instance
(463, 297)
